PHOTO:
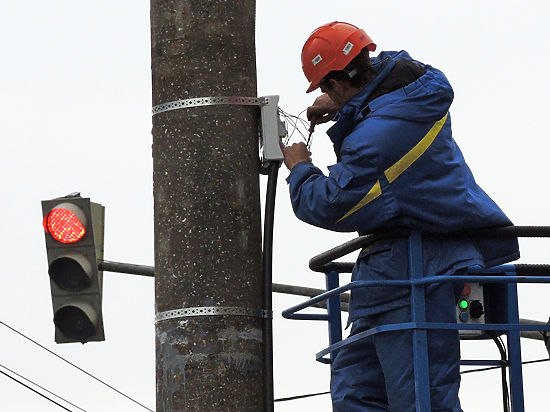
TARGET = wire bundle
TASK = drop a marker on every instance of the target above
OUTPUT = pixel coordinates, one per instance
(297, 125)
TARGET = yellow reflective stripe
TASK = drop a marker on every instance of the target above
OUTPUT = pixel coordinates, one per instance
(412, 156)
(395, 170)
(374, 192)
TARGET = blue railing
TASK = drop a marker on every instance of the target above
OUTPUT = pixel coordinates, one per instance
(508, 321)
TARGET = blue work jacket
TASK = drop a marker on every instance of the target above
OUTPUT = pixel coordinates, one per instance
(398, 166)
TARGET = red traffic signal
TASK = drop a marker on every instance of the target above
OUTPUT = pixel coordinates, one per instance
(66, 223)
(74, 242)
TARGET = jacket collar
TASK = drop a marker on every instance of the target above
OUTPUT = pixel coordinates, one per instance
(346, 117)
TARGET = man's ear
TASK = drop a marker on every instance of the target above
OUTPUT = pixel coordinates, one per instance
(338, 85)
(334, 83)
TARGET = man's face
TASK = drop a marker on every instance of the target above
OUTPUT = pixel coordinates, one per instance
(338, 91)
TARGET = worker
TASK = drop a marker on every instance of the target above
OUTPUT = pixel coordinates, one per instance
(397, 167)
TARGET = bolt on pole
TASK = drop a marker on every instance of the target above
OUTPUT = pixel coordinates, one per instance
(207, 208)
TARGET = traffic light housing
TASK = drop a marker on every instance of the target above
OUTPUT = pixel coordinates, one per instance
(74, 229)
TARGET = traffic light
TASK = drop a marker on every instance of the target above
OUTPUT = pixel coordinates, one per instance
(74, 242)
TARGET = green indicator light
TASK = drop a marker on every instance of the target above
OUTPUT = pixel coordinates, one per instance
(463, 304)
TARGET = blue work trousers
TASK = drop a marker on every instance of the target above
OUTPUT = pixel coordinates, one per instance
(377, 374)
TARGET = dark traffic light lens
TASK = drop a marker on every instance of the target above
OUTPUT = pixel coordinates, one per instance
(69, 274)
(64, 225)
(74, 323)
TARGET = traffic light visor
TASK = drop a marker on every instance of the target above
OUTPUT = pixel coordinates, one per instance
(66, 223)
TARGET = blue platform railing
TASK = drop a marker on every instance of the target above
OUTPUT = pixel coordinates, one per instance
(508, 275)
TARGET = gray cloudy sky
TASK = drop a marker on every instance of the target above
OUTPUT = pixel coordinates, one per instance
(75, 103)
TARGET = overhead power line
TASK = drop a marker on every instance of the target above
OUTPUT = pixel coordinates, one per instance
(145, 407)
(498, 367)
(74, 366)
(291, 398)
(41, 387)
(34, 390)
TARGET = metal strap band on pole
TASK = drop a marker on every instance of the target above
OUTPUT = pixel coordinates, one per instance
(212, 311)
(208, 101)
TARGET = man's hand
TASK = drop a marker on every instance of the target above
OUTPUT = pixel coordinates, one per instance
(322, 110)
(295, 154)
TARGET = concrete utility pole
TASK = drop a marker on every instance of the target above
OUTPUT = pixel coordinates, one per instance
(207, 211)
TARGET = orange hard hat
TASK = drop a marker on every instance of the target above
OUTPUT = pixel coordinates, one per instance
(332, 47)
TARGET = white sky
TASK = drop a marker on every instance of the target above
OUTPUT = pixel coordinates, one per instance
(75, 103)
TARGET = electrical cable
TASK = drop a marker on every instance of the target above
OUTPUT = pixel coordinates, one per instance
(74, 366)
(297, 124)
(267, 263)
(503, 365)
(535, 361)
(34, 390)
(291, 398)
(267, 269)
(41, 387)
(498, 367)
(294, 127)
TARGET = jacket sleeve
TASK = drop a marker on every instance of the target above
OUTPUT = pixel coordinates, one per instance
(325, 201)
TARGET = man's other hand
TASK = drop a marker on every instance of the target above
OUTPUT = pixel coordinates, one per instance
(295, 154)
